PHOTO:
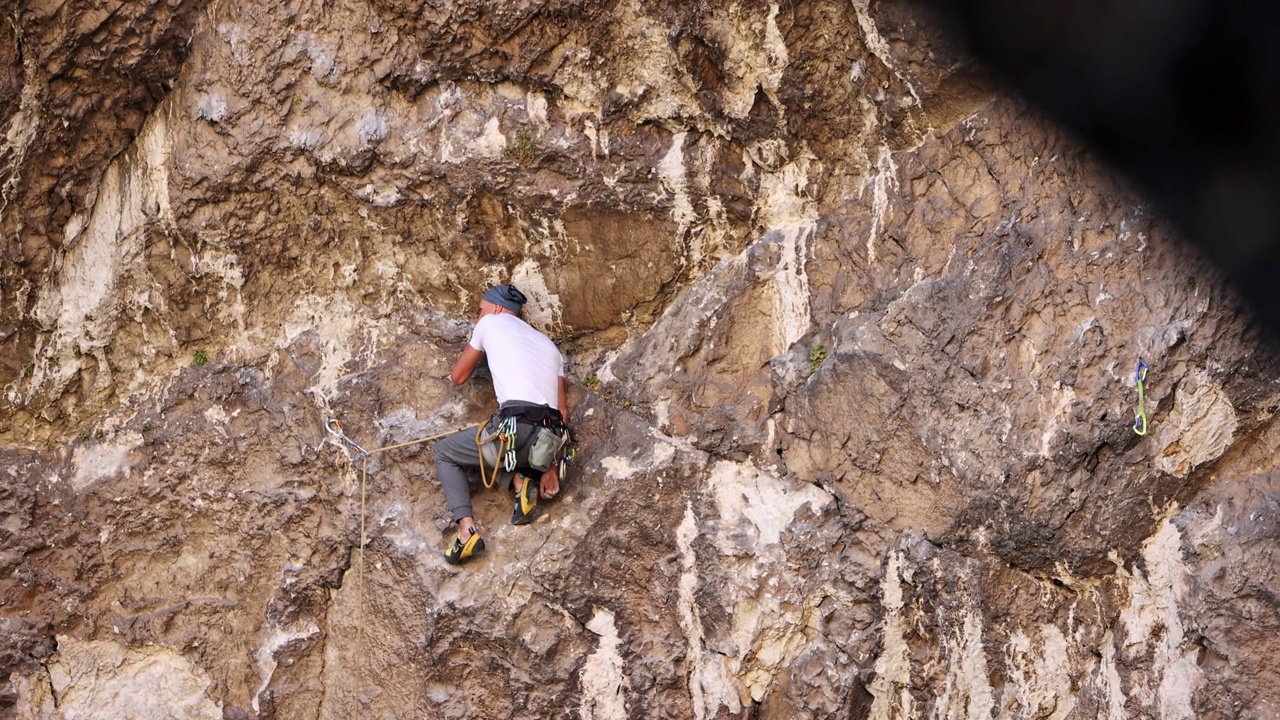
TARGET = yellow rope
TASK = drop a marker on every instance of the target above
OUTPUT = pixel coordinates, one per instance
(502, 445)
(420, 440)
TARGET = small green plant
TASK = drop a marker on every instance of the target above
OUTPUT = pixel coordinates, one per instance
(106, 349)
(592, 382)
(807, 65)
(817, 354)
(201, 357)
(148, 426)
(29, 370)
(522, 149)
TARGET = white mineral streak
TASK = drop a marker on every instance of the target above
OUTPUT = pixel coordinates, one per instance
(1109, 683)
(652, 67)
(1060, 402)
(767, 503)
(966, 692)
(756, 60)
(266, 655)
(535, 105)
(371, 127)
(620, 468)
(336, 326)
(885, 178)
(82, 305)
(776, 52)
(102, 679)
(671, 171)
(1152, 624)
(491, 142)
(772, 622)
(603, 679)
(605, 371)
(708, 233)
(467, 136)
(787, 209)
(878, 46)
(690, 621)
(1201, 426)
(1040, 682)
(224, 267)
(891, 687)
(102, 460)
(544, 309)
(22, 126)
(35, 697)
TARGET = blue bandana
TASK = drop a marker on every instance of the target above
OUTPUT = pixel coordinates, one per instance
(506, 296)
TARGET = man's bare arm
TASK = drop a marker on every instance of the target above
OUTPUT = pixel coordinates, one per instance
(465, 365)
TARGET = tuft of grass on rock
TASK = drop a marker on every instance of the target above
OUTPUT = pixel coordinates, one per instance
(817, 354)
(522, 150)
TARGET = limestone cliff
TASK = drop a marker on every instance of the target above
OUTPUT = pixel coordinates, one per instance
(852, 337)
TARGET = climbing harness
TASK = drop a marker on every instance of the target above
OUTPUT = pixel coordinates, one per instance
(548, 447)
(1140, 418)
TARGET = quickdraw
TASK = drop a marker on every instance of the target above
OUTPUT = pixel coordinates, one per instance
(335, 429)
(566, 457)
(1140, 418)
(505, 434)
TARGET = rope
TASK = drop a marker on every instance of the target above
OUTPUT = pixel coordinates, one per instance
(1140, 418)
(488, 479)
(335, 428)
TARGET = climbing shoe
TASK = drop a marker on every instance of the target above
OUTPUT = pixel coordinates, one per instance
(526, 501)
(461, 552)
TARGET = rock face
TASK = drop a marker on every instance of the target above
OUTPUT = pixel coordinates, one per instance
(852, 339)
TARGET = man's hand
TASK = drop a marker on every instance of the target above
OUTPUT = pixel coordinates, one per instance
(465, 365)
(549, 485)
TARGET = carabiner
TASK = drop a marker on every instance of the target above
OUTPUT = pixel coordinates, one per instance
(1140, 379)
(335, 429)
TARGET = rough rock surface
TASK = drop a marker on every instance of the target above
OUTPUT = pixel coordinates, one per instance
(851, 336)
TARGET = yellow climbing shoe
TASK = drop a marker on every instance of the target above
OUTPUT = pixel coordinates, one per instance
(462, 552)
(526, 501)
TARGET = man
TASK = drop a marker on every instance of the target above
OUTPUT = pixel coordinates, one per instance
(528, 378)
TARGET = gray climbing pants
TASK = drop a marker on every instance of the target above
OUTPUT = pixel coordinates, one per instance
(458, 463)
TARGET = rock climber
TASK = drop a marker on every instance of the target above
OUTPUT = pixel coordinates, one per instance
(526, 440)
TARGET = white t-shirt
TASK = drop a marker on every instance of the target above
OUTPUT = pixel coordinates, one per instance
(525, 364)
